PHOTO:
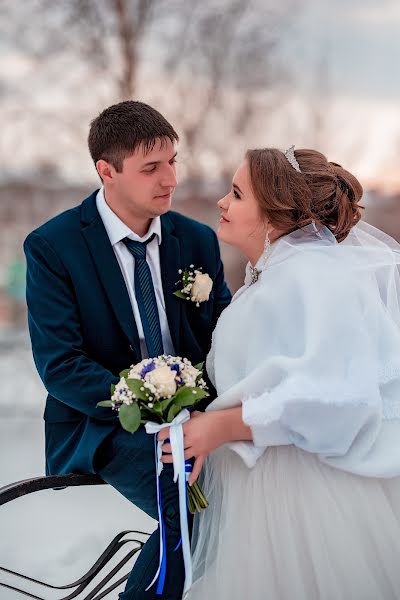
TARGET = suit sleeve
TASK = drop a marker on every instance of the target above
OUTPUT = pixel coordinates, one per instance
(222, 295)
(55, 329)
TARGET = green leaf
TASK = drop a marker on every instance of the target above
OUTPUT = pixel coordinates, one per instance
(147, 415)
(199, 366)
(200, 395)
(134, 385)
(183, 398)
(129, 416)
(157, 408)
(112, 389)
(186, 397)
(105, 403)
(165, 404)
(124, 373)
(180, 294)
(173, 411)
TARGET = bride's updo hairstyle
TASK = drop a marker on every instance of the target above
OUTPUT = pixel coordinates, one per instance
(322, 191)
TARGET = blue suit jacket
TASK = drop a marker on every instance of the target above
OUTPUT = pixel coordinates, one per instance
(82, 326)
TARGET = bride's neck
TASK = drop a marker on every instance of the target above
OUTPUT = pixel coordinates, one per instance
(254, 257)
(254, 253)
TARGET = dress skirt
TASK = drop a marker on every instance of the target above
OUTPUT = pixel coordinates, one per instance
(294, 528)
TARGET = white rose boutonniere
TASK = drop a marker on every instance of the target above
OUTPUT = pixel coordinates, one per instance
(195, 285)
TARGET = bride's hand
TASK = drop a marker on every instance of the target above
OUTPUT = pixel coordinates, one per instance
(205, 432)
(202, 434)
(197, 467)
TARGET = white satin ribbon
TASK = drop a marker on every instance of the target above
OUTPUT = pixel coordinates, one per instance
(178, 455)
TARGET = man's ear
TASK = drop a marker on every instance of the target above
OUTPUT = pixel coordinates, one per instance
(105, 170)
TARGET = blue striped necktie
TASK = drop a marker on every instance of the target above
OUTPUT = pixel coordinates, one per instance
(145, 297)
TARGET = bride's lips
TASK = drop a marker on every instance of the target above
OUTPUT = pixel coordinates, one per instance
(223, 220)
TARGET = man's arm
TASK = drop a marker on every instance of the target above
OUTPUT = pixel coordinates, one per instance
(54, 325)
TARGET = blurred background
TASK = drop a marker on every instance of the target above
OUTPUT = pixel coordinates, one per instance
(229, 75)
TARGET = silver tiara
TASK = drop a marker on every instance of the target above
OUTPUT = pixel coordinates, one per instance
(289, 153)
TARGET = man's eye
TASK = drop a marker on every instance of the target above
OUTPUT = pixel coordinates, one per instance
(150, 170)
(172, 161)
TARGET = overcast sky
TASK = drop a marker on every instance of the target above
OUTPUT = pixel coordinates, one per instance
(362, 40)
(346, 56)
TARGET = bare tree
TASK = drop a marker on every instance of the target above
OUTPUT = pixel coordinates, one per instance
(223, 70)
(106, 35)
(211, 65)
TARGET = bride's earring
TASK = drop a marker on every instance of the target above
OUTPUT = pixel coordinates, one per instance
(267, 248)
(255, 273)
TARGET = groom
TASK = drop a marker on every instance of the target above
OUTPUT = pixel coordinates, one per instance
(100, 292)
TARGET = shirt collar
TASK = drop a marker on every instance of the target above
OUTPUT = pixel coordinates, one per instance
(116, 229)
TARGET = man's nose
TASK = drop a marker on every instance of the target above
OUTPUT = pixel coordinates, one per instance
(169, 177)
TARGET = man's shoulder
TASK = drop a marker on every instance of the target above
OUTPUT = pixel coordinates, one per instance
(64, 224)
(58, 224)
(186, 225)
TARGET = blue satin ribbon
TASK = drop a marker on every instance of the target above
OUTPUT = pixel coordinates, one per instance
(182, 470)
(163, 568)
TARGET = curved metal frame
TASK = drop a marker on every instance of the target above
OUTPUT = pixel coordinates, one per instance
(28, 486)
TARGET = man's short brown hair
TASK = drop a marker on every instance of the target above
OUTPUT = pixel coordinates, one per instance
(121, 128)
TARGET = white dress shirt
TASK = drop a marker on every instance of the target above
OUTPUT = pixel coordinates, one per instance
(117, 231)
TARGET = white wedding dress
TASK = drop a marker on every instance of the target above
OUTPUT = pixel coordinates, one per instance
(310, 510)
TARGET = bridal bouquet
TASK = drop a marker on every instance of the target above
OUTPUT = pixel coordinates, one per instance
(157, 391)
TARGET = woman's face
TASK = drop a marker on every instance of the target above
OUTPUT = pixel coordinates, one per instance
(241, 223)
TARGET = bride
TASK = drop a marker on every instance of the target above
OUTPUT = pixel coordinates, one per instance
(302, 443)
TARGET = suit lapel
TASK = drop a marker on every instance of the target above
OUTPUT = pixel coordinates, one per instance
(170, 262)
(108, 270)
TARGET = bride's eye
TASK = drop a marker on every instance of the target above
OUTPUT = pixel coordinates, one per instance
(236, 195)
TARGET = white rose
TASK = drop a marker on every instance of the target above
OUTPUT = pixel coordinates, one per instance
(201, 288)
(163, 379)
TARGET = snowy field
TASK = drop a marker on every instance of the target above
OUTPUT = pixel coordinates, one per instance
(52, 535)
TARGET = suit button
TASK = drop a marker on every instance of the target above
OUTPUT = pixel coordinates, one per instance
(130, 347)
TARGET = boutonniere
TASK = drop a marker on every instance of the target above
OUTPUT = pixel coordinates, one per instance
(195, 285)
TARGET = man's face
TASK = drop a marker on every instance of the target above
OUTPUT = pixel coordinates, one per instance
(146, 184)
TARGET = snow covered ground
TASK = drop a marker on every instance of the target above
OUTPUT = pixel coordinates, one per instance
(51, 535)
